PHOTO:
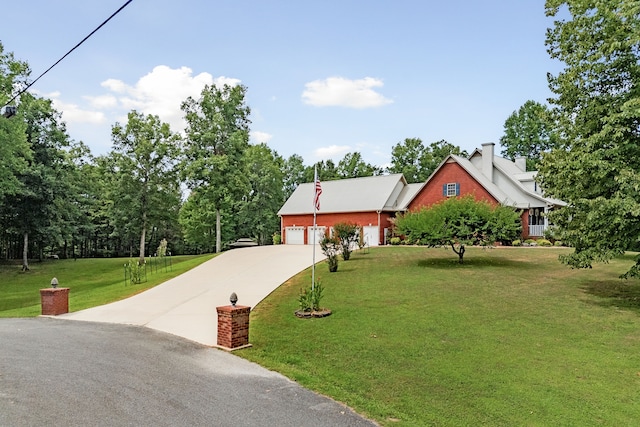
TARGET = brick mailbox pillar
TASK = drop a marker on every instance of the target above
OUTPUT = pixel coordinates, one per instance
(233, 327)
(54, 301)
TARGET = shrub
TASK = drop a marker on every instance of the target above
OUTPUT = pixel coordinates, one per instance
(136, 271)
(347, 235)
(276, 238)
(394, 241)
(544, 242)
(310, 298)
(516, 242)
(330, 247)
(557, 243)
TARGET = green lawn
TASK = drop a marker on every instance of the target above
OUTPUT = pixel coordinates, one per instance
(512, 337)
(92, 282)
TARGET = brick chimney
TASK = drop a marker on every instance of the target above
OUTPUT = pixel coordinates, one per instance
(487, 160)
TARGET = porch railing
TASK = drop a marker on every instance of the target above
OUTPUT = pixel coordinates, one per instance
(537, 230)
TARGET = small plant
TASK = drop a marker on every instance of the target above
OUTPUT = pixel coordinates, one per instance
(530, 242)
(516, 242)
(162, 248)
(330, 247)
(557, 243)
(276, 238)
(544, 242)
(395, 241)
(136, 271)
(310, 298)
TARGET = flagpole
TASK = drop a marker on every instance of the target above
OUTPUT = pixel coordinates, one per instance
(313, 266)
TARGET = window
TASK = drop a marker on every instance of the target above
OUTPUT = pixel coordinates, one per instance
(451, 189)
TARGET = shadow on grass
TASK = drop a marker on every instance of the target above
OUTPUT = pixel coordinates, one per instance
(615, 293)
(476, 262)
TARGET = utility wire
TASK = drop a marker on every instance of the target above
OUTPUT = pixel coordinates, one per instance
(67, 54)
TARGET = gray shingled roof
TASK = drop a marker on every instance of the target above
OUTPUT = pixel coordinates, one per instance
(392, 193)
(373, 193)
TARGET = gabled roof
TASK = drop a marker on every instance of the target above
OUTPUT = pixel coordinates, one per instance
(515, 194)
(372, 193)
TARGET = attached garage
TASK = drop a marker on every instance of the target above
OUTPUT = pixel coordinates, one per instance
(294, 236)
(370, 235)
(320, 230)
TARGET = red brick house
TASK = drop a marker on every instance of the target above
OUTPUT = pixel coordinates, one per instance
(373, 202)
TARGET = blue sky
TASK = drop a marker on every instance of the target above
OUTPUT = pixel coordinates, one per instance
(324, 77)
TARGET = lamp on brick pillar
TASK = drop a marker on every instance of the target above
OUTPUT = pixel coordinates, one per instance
(54, 300)
(233, 325)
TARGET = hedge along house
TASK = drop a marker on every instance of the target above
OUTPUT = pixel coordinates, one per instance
(370, 202)
(373, 202)
(494, 179)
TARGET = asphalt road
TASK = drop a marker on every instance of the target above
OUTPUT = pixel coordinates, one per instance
(68, 373)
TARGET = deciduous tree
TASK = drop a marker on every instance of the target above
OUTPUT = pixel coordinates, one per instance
(217, 138)
(597, 106)
(147, 189)
(529, 132)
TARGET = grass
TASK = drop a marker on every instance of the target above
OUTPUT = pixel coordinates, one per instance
(511, 337)
(92, 281)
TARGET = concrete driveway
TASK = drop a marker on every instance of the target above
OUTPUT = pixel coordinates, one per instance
(186, 305)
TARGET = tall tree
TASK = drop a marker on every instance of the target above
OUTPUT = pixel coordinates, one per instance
(597, 105)
(293, 172)
(416, 161)
(353, 166)
(14, 149)
(217, 137)
(258, 214)
(37, 210)
(529, 132)
(406, 158)
(147, 188)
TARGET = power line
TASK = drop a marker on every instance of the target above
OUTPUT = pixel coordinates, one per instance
(67, 54)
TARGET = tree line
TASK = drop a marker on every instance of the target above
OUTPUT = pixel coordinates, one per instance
(58, 199)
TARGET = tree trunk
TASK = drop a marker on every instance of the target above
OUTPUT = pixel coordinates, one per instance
(218, 239)
(460, 252)
(143, 238)
(25, 252)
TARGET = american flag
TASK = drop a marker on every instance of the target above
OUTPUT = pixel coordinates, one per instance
(318, 191)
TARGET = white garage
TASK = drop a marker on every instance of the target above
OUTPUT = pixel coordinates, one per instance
(370, 234)
(294, 235)
(320, 230)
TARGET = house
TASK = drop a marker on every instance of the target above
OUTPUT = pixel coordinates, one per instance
(373, 202)
(370, 202)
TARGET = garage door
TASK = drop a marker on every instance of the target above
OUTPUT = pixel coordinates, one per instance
(371, 234)
(319, 234)
(294, 235)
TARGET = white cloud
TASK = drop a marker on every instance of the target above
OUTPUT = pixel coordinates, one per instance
(331, 152)
(102, 102)
(161, 92)
(72, 113)
(338, 91)
(257, 137)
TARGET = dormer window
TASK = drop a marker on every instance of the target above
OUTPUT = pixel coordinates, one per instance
(451, 189)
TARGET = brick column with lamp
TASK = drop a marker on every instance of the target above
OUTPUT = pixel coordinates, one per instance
(233, 325)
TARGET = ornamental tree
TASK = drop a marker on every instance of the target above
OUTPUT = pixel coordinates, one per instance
(347, 234)
(460, 221)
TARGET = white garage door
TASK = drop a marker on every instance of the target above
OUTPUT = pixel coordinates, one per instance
(294, 235)
(319, 234)
(371, 234)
